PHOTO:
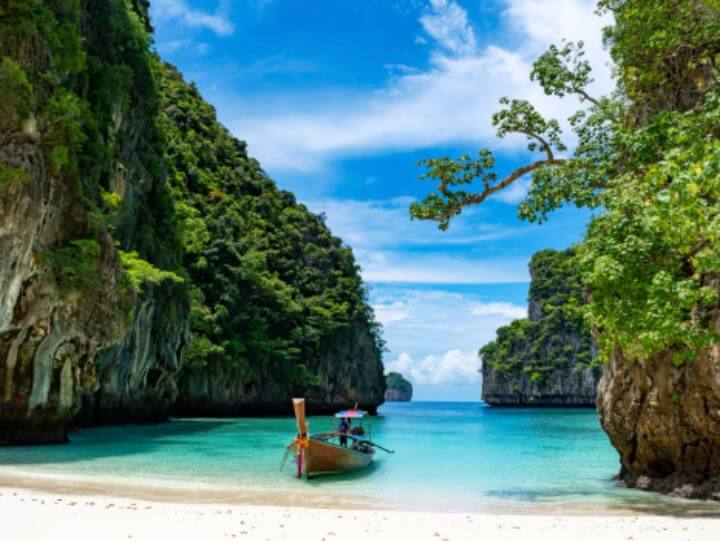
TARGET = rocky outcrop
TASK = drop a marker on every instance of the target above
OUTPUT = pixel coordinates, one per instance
(76, 339)
(348, 372)
(564, 386)
(398, 388)
(549, 358)
(136, 378)
(664, 420)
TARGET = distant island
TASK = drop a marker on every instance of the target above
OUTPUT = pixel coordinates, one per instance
(398, 388)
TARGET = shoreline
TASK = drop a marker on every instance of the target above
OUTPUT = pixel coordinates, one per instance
(35, 515)
(68, 485)
(255, 496)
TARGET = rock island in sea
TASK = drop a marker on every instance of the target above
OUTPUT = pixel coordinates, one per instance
(547, 359)
(398, 388)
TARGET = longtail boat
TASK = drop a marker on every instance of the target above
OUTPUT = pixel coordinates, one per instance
(332, 452)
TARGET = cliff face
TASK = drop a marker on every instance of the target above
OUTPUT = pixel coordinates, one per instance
(398, 388)
(348, 372)
(664, 420)
(278, 305)
(75, 334)
(137, 236)
(547, 359)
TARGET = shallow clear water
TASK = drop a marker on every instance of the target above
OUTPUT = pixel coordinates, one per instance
(451, 456)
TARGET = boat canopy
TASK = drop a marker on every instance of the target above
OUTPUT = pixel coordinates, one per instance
(351, 414)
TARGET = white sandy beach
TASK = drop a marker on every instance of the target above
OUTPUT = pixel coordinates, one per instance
(37, 515)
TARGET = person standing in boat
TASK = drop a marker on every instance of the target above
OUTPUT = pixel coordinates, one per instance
(344, 429)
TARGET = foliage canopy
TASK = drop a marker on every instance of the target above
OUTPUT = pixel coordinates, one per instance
(270, 285)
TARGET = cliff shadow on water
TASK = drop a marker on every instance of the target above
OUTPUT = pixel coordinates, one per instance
(105, 442)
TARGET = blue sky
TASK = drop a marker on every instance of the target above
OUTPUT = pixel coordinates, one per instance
(340, 99)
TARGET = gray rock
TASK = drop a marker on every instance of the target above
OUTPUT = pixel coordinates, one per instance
(349, 372)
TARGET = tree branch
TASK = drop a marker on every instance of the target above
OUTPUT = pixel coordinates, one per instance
(543, 144)
(478, 198)
(585, 96)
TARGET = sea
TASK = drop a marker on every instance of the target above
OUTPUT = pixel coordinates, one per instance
(447, 456)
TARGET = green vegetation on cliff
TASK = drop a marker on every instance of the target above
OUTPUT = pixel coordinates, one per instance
(145, 241)
(270, 283)
(73, 80)
(555, 334)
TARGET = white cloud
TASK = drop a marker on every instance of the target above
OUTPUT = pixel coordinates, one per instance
(383, 239)
(514, 193)
(385, 242)
(504, 309)
(452, 101)
(181, 12)
(427, 322)
(373, 224)
(434, 334)
(448, 25)
(454, 367)
(439, 268)
(199, 48)
(389, 313)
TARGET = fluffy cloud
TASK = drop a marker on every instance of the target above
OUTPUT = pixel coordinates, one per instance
(448, 25)
(181, 12)
(390, 313)
(454, 367)
(424, 322)
(450, 102)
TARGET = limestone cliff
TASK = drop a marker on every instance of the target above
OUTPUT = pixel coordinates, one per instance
(347, 371)
(78, 159)
(278, 305)
(398, 388)
(137, 236)
(546, 359)
(664, 420)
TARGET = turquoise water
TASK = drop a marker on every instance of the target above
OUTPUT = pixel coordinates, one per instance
(451, 456)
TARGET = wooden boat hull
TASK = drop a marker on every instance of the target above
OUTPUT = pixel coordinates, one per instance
(320, 458)
(317, 456)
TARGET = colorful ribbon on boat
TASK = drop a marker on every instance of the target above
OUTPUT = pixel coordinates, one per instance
(302, 443)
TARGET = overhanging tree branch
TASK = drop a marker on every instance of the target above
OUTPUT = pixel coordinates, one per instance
(560, 71)
(443, 209)
(518, 117)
